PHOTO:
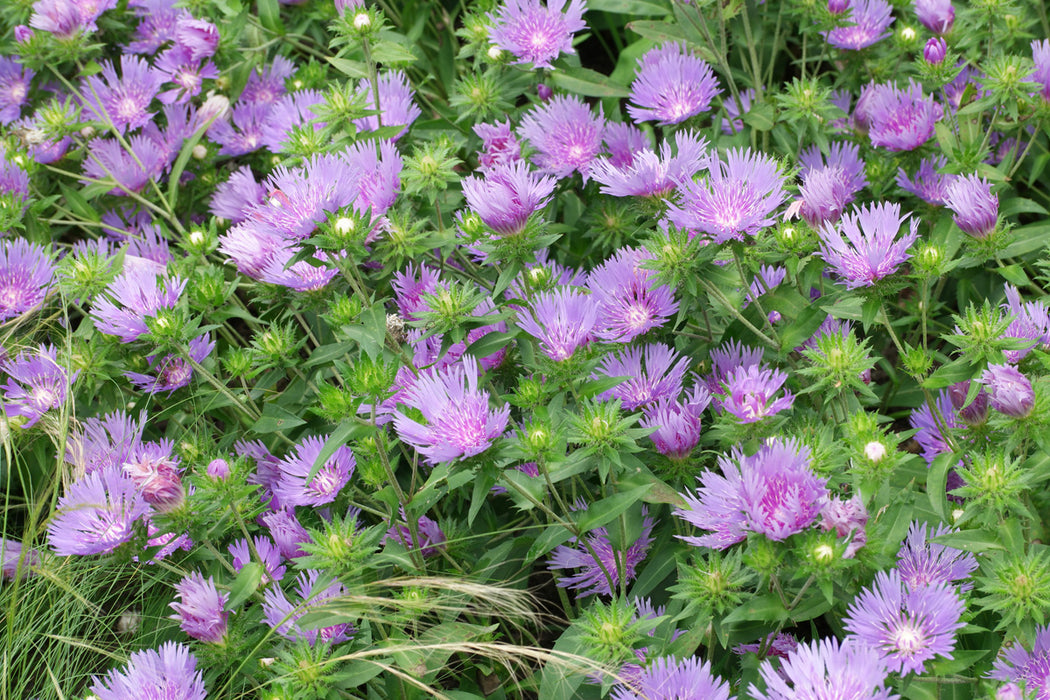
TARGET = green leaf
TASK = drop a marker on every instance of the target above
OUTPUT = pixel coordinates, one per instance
(78, 204)
(587, 82)
(270, 16)
(601, 512)
(490, 343)
(638, 8)
(951, 373)
(275, 418)
(760, 117)
(936, 483)
(246, 583)
(971, 540)
(354, 69)
(660, 32)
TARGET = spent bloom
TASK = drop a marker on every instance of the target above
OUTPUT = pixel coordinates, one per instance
(200, 608)
(168, 672)
(36, 383)
(602, 571)
(124, 101)
(26, 274)
(826, 669)
(975, 208)
(562, 320)
(1015, 663)
(296, 488)
(936, 15)
(566, 134)
(737, 199)
(1009, 391)
(457, 420)
(537, 33)
(668, 678)
(773, 492)
(507, 196)
(921, 562)
(866, 22)
(97, 514)
(671, 85)
(908, 626)
(871, 250)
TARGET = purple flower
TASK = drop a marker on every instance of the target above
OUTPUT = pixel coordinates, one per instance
(1041, 75)
(431, 539)
(266, 86)
(170, 672)
(629, 300)
(728, 357)
(200, 608)
(930, 435)
(921, 562)
(774, 493)
(500, 145)
(901, 120)
(732, 123)
(1031, 321)
(1015, 663)
(908, 626)
(848, 518)
(561, 320)
(282, 616)
(26, 274)
(935, 51)
(97, 514)
(507, 196)
(749, 393)
(566, 134)
(187, 74)
(172, 372)
(133, 296)
(676, 423)
(130, 171)
(13, 563)
(36, 383)
(156, 474)
(976, 411)
(535, 33)
(157, 25)
(826, 669)
(929, 185)
(199, 37)
(976, 209)
(458, 421)
(410, 288)
(777, 644)
(296, 110)
(14, 88)
(242, 131)
(395, 101)
(122, 102)
(769, 278)
(671, 85)
(867, 22)
(602, 571)
(110, 442)
(1009, 391)
(623, 141)
(66, 18)
(269, 558)
(738, 198)
(287, 532)
(218, 469)
(871, 250)
(936, 15)
(660, 379)
(295, 486)
(234, 198)
(667, 678)
(827, 188)
(650, 174)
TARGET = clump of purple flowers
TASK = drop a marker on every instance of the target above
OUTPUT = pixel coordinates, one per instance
(97, 514)
(975, 208)
(900, 120)
(134, 296)
(169, 672)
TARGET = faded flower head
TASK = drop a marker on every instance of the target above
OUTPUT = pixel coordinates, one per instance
(671, 85)
(537, 33)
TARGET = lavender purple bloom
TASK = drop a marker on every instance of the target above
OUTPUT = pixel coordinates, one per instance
(671, 85)
(97, 514)
(867, 22)
(630, 302)
(901, 120)
(976, 209)
(499, 145)
(35, 384)
(661, 377)
(667, 678)
(133, 296)
(1041, 74)
(172, 372)
(535, 33)
(566, 134)
(269, 558)
(750, 393)
(562, 320)
(1009, 391)
(871, 250)
(26, 274)
(603, 574)
(282, 615)
(395, 101)
(677, 423)
(15, 81)
(921, 562)
(169, 672)
(507, 196)
(296, 488)
(650, 174)
(1017, 664)
(826, 669)
(431, 538)
(1031, 320)
(124, 101)
(936, 15)
(928, 185)
(200, 608)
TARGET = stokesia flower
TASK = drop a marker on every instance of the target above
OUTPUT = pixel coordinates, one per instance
(13, 563)
(826, 669)
(200, 608)
(124, 101)
(936, 15)
(36, 383)
(661, 377)
(773, 492)
(14, 88)
(651, 174)
(671, 85)
(629, 300)
(562, 320)
(871, 250)
(602, 571)
(1041, 58)
(1031, 321)
(235, 197)
(1017, 664)
(172, 372)
(269, 557)
(750, 393)
(535, 33)
(907, 626)
(457, 420)
(132, 297)
(156, 473)
(566, 134)
(676, 424)
(930, 431)
(901, 120)
(921, 562)
(97, 514)
(170, 672)
(1009, 391)
(499, 145)
(667, 678)
(109, 161)
(395, 101)
(848, 518)
(507, 196)
(287, 532)
(282, 616)
(295, 487)
(623, 141)
(26, 274)
(297, 110)
(431, 539)
(737, 199)
(928, 184)
(866, 22)
(975, 208)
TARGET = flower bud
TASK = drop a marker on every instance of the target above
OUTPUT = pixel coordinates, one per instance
(218, 469)
(976, 411)
(23, 34)
(544, 92)
(837, 7)
(935, 51)
(976, 209)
